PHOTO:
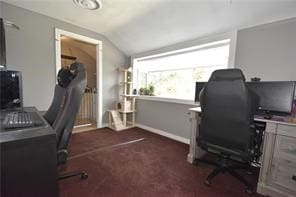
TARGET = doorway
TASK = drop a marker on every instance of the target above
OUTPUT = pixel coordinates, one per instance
(71, 48)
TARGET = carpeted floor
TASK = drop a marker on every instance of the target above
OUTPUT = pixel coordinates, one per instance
(155, 166)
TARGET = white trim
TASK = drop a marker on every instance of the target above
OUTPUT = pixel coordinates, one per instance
(99, 66)
(232, 35)
(184, 45)
(232, 49)
(164, 133)
(77, 36)
(99, 69)
(58, 52)
(83, 125)
(209, 45)
(168, 100)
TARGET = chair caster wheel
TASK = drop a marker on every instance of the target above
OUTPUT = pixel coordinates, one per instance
(84, 175)
(249, 172)
(249, 191)
(207, 183)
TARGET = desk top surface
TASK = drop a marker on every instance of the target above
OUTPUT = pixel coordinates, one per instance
(25, 133)
(286, 120)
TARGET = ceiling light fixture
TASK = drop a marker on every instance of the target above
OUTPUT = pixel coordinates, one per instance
(89, 4)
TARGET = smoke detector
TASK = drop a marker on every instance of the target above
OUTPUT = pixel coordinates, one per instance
(89, 4)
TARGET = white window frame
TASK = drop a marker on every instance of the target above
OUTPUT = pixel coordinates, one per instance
(185, 46)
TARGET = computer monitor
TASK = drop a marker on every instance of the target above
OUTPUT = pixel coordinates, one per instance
(2, 46)
(198, 87)
(274, 96)
(11, 89)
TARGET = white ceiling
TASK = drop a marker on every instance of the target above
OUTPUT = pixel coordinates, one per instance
(135, 26)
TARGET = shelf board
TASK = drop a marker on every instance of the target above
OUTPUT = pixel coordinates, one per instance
(127, 111)
(123, 83)
(125, 70)
(129, 95)
(129, 126)
(121, 111)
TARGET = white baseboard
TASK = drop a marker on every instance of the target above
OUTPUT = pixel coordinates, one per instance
(104, 125)
(164, 133)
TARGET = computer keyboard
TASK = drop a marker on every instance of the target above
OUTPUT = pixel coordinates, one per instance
(21, 120)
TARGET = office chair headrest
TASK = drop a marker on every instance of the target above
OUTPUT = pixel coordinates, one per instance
(64, 77)
(227, 75)
(77, 68)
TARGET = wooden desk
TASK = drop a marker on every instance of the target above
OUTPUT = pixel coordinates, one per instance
(278, 162)
(28, 161)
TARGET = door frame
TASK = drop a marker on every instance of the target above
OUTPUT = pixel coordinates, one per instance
(99, 67)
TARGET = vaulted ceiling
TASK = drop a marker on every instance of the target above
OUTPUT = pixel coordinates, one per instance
(87, 48)
(136, 26)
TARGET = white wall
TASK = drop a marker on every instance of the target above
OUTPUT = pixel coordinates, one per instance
(268, 51)
(32, 51)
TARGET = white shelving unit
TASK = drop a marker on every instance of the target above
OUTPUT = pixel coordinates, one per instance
(124, 115)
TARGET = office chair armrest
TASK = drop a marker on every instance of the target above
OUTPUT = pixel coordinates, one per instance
(253, 126)
(62, 156)
(42, 113)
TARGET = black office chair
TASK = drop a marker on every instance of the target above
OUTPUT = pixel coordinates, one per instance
(62, 112)
(227, 127)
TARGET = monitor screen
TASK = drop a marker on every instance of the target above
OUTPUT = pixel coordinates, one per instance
(11, 89)
(2, 45)
(274, 96)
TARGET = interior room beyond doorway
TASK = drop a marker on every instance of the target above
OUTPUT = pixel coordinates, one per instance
(73, 50)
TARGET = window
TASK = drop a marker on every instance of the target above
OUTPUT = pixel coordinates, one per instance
(173, 74)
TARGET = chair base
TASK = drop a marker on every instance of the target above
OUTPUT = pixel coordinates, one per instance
(83, 175)
(223, 167)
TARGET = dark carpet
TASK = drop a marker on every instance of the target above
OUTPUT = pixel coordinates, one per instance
(156, 166)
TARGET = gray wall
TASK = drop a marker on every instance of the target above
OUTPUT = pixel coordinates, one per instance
(32, 51)
(268, 51)
(0, 10)
(169, 117)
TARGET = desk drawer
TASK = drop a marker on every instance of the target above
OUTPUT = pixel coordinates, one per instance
(285, 148)
(284, 174)
(287, 130)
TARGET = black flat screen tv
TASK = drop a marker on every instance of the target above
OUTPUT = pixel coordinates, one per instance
(2, 45)
(11, 94)
(275, 96)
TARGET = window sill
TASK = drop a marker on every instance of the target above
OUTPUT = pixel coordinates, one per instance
(168, 100)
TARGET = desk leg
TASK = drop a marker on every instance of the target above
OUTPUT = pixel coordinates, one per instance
(194, 151)
(109, 120)
(266, 158)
